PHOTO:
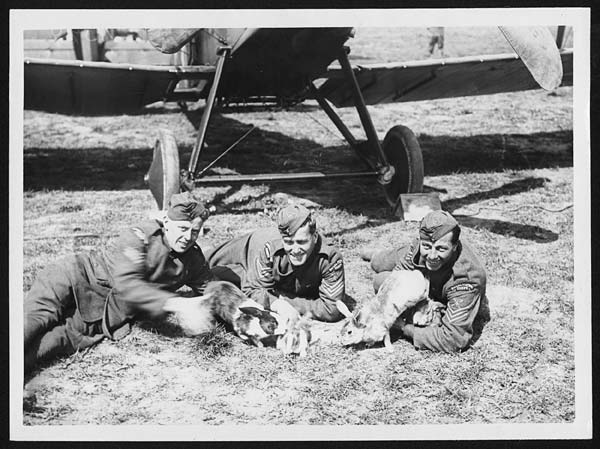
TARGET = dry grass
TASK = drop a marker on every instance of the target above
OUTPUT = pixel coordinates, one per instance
(501, 156)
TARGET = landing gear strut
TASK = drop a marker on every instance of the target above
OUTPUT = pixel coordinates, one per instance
(397, 162)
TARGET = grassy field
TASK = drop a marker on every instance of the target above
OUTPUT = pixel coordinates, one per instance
(497, 163)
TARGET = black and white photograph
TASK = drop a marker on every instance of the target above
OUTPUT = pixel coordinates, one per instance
(300, 224)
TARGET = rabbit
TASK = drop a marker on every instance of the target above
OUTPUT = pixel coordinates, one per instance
(297, 339)
(371, 323)
(249, 320)
(426, 313)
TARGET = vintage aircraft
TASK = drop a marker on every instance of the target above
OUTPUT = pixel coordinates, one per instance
(281, 66)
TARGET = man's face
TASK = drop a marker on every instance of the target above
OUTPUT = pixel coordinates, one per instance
(437, 254)
(300, 245)
(181, 235)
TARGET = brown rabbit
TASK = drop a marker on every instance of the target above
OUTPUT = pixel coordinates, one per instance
(371, 323)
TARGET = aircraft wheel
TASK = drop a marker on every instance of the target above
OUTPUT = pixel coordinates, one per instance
(163, 175)
(403, 152)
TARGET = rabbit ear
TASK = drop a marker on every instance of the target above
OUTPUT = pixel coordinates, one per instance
(252, 311)
(343, 308)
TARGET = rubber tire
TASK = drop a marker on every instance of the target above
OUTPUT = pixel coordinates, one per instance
(163, 175)
(403, 152)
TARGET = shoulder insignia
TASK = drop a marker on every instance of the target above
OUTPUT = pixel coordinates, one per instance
(461, 288)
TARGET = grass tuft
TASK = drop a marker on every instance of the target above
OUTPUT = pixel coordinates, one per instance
(213, 344)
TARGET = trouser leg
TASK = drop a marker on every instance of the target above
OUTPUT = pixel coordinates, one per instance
(382, 264)
(54, 343)
(48, 301)
(70, 336)
(384, 260)
(52, 325)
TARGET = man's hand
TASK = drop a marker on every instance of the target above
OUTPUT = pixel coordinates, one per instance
(401, 325)
(193, 314)
(289, 315)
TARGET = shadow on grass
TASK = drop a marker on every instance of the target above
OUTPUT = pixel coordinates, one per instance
(267, 152)
(527, 232)
(517, 230)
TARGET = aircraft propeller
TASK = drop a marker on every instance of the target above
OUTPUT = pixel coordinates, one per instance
(170, 40)
(537, 49)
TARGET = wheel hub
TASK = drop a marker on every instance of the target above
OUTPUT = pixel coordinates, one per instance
(386, 175)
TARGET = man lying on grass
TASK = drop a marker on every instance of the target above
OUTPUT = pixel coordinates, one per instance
(77, 301)
(289, 264)
(457, 280)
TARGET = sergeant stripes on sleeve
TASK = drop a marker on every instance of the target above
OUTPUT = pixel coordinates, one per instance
(459, 308)
(333, 282)
(264, 269)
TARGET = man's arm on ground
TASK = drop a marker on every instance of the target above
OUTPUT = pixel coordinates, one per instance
(132, 289)
(456, 328)
(404, 258)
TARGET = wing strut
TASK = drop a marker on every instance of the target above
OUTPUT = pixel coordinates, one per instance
(386, 171)
(222, 53)
(164, 176)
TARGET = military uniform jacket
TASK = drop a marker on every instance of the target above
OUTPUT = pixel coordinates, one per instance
(313, 287)
(460, 285)
(134, 276)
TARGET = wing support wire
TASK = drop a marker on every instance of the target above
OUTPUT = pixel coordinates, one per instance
(231, 147)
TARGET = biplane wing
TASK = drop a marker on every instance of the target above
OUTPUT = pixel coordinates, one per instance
(432, 79)
(90, 88)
